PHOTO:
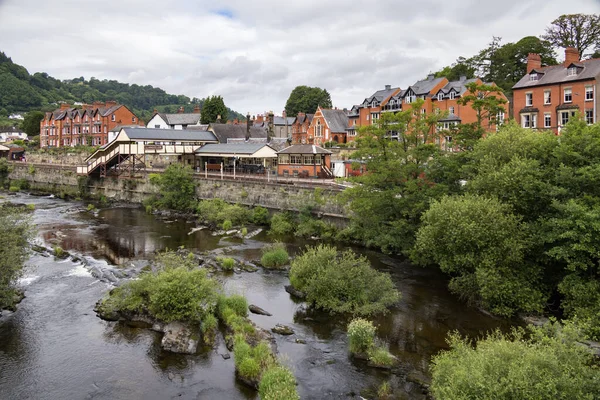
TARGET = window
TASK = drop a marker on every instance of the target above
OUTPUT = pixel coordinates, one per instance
(374, 117)
(533, 76)
(572, 71)
(451, 110)
(113, 118)
(440, 96)
(423, 111)
(564, 117)
(157, 126)
(284, 159)
(500, 118)
(589, 116)
(452, 95)
(528, 99)
(410, 98)
(568, 95)
(589, 93)
(547, 97)
(547, 120)
(295, 159)
(133, 119)
(526, 121)
(309, 160)
(319, 129)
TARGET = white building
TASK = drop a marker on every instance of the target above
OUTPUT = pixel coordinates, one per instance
(180, 120)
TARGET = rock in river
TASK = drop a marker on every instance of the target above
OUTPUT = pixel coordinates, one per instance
(180, 338)
(282, 329)
(257, 310)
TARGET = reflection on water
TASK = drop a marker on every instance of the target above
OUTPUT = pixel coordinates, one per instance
(55, 347)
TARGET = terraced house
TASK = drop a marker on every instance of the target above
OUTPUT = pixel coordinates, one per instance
(548, 97)
(88, 125)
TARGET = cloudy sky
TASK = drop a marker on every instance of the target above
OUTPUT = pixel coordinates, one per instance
(254, 53)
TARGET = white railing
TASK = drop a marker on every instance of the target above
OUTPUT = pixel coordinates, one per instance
(85, 170)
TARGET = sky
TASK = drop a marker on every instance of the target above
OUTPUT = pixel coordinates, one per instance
(253, 53)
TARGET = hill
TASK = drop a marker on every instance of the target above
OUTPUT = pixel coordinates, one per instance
(20, 91)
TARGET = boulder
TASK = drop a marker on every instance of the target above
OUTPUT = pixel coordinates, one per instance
(295, 292)
(257, 310)
(282, 330)
(180, 338)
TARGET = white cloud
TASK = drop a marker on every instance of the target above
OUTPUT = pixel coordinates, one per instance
(255, 53)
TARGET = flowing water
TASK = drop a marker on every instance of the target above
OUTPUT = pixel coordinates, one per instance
(55, 347)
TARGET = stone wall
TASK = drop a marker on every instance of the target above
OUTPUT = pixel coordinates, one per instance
(63, 179)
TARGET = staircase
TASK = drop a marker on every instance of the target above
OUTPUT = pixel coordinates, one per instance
(326, 172)
(104, 160)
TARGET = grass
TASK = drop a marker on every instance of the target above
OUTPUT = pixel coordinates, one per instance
(227, 263)
(278, 383)
(275, 256)
(361, 335)
(380, 357)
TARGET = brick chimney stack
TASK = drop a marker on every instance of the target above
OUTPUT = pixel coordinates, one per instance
(155, 111)
(571, 56)
(197, 109)
(64, 106)
(248, 124)
(534, 61)
(111, 103)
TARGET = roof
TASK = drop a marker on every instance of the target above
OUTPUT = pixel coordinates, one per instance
(231, 148)
(587, 69)
(181, 118)
(426, 85)
(460, 87)
(105, 111)
(304, 149)
(170, 134)
(223, 132)
(281, 120)
(450, 118)
(381, 95)
(336, 119)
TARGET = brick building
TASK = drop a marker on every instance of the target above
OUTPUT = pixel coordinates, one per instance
(88, 125)
(547, 97)
(300, 128)
(327, 125)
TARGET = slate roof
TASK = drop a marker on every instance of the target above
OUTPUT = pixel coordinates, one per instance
(425, 86)
(304, 149)
(170, 135)
(278, 143)
(304, 117)
(231, 148)
(336, 119)
(181, 118)
(381, 95)
(106, 111)
(459, 87)
(451, 118)
(588, 69)
(227, 131)
(281, 121)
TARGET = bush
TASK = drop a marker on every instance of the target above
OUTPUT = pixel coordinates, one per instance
(249, 368)
(549, 365)
(176, 187)
(227, 225)
(342, 282)
(171, 260)
(384, 391)
(13, 189)
(361, 335)
(91, 207)
(381, 357)
(274, 255)
(260, 216)
(227, 263)
(244, 231)
(236, 303)
(278, 383)
(58, 251)
(208, 210)
(251, 361)
(237, 214)
(31, 169)
(281, 224)
(149, 209)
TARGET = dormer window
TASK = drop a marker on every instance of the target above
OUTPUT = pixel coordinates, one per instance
(534, 76)
(440, 96)
(572, 71)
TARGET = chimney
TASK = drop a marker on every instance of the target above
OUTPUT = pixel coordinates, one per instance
(98, 104)
(111, 103)
(388, 87)
(248, 124)
(301, 114)
(219, 119)
(534, 61)
(571, 56)
(64, 106)
(284, 115)
(197, 109)
(430, 77)
(155, 111)
(181, 110)
(259, 118)
(270, 120)
(463, 78)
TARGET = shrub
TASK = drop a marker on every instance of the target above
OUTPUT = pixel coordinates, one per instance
(13, 189)
(227, 263)
(244, 231)
(236, 303)
(549, 365)
(278, 383)
(384, 391)
(176, 187)
(260, 216)
(251, 361)
(381, 357)
(91, 207)
(208, 210)
(171, 260)
(31, 169)
(281, 224)
(249, 368)
(361, 335)
(237, 214)
(58, 251)
(149, 209)
(274, 255)
(342, 282)
(227, 225)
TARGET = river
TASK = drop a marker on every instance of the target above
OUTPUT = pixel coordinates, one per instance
(55, 347)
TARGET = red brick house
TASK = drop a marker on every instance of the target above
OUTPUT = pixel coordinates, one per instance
(88, 125)
(300, 128)
(547, 97)
(328, 125)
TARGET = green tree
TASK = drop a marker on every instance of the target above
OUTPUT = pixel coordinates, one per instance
(213, 108)
(486, 100)
(177, 190)
(462, 67)
(481, 244)
(581, 31)
(31, 123)
(548, 363)
(15, 231)
(306, 99)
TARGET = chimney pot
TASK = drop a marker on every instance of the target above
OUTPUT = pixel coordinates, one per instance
(571, 56)
(463, 78)
(430, 77)
(388, 87)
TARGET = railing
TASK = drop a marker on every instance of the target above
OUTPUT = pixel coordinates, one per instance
(85, 170)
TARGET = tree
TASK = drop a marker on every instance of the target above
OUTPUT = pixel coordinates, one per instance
(462, 67)
(15, 231)
(31, 123)
(581, 31)
(176, 187)
(306, 99)
(544, 363)
(487, 101)
(213, 108)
